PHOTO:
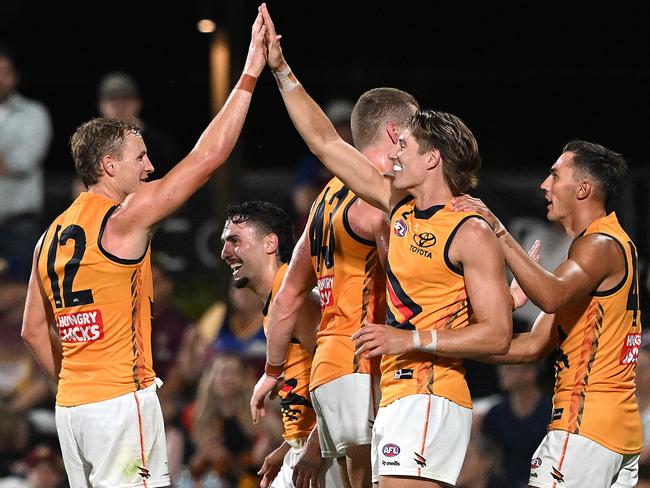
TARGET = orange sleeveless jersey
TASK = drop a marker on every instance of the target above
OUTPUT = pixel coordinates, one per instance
(351, 284)
(425, 291)
(101, 303)
(599, 340)
(298, 414)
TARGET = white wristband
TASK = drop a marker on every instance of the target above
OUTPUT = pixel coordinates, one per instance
(430, 347)
(286, 79)
(416, 340)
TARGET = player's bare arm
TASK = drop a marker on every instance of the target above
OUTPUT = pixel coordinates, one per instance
(487, 291)
(529, 347)
(308, 321)
(44, 345)
(296, 286)
(594, 262)
(343, 160)
(153, 201)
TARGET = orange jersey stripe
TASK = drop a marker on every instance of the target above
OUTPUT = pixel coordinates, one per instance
(101, 304)
(599, 339)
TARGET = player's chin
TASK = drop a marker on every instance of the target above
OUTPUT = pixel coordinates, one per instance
(241, 282)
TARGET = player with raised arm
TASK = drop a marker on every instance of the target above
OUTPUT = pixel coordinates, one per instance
(443, 267)
(91, 282)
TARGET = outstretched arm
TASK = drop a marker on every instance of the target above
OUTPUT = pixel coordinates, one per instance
(156, 200)
(592, 259)
(528, 347)
(296, 287)
(343, 160)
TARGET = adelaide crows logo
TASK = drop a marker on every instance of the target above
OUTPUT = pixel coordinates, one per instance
(425, 239)
(400, 228)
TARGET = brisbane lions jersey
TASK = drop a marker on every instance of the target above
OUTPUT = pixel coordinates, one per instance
(350, 281)
(102, 306)
(599, 341)
(425, 291)
(298, 416)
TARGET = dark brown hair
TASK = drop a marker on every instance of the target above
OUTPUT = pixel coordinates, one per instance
(461, 161)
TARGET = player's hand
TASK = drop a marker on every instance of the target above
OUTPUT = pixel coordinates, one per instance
(256, 58)
(275, 58)
(373, 340)
(263, 387)
(271, 466)
(466, 203)
(307, 470)
(517, 293)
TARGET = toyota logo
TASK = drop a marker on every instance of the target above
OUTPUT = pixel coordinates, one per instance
(426, 239)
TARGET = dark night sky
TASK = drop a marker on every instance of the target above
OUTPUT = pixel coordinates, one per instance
(525, 86)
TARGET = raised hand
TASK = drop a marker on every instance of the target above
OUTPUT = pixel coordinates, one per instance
(275, 58)
(518, 295)
(256, 58)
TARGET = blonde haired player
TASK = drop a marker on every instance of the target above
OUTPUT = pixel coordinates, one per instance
(91, 281)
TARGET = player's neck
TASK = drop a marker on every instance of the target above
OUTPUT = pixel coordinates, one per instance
(429, 194)
(264, 285)
(106, 190)
(581, 218)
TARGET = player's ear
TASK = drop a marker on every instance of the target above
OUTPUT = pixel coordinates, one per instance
(393, 133)
(271, 243)
(583, 189)
(434, 158)
(107, 164)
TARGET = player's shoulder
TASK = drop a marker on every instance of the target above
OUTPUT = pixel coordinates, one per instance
(595, 244)
(472, 225)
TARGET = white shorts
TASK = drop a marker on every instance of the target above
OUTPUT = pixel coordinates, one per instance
(425, 436)
(345, 411)
(330, 476)
(116, 443)
(569, 460)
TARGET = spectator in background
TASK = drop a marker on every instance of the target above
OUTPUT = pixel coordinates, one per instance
(225, 440)
(23, 385)
(311, 175)
(169, 322)
(119, 97)
(25, 136)
(517, 422)
(45, 468)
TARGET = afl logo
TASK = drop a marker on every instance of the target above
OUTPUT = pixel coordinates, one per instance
(426, 239)
(535, 463)
(399, 229)
(390, 450)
